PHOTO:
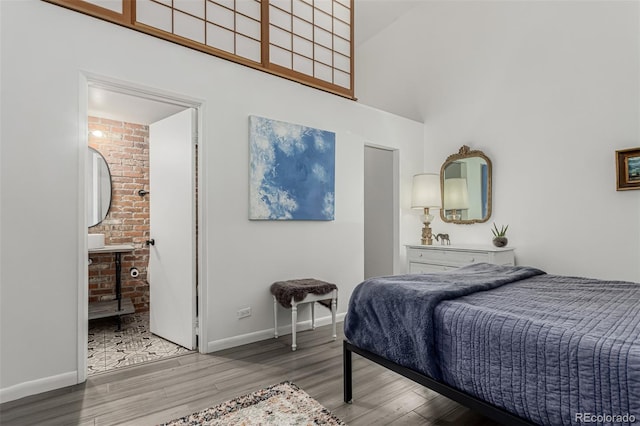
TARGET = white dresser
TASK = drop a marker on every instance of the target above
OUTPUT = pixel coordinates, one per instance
(437, 258)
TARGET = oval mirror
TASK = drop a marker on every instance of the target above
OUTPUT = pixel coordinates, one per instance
(465, 181)
(99, 188)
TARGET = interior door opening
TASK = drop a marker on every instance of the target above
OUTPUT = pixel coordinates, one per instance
(142, 274)
(379, 212)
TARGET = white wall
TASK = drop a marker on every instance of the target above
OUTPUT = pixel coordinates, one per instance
(44, 50)
(548, 90)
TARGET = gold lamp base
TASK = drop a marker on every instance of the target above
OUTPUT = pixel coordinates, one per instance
(427, 235)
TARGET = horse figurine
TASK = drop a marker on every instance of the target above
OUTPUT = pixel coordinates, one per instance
(442, 238)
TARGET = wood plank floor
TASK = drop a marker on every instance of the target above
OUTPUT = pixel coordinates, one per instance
(160, 391)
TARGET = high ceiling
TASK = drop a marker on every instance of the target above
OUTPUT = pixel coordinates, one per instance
(372, 16)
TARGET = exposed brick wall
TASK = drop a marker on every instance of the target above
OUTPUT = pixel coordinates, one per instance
(125, 146)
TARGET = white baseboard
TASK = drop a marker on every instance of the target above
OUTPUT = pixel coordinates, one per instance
(256, 336)
(34, 387)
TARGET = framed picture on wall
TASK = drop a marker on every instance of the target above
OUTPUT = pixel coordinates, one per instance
(628, 169)
(291, 172)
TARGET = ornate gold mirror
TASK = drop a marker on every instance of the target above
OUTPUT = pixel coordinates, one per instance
(465, 180)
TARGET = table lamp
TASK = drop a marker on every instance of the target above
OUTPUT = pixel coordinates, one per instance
(426, 194)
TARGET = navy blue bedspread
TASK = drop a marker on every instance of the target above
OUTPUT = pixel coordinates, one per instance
(393, 316)
(552, 349)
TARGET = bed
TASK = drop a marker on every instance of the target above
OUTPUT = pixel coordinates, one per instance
(517, 344)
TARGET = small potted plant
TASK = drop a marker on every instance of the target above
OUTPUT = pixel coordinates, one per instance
(500, 235)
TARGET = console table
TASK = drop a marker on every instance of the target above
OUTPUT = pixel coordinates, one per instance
(117, 307)
(438, 258)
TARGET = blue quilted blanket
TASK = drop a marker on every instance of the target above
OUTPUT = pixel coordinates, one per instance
(552, 349)
(555, 350)
(393, 316)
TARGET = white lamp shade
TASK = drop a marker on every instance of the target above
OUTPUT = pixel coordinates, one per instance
(456, 194)
(426, 191)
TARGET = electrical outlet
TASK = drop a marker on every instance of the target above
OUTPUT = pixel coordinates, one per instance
(243, 312)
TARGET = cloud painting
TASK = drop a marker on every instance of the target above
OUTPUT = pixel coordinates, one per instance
(292, 171)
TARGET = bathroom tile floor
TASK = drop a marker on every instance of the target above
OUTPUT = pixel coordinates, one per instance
(133, 344)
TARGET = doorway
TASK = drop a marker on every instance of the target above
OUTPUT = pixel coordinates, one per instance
(380, 211)
(137, 116)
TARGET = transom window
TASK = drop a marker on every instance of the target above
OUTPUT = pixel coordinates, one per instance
(309, 41)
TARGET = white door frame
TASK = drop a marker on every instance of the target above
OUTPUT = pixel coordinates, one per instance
(87, 80)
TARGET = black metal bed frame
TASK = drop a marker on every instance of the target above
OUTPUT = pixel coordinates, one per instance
(496, 413)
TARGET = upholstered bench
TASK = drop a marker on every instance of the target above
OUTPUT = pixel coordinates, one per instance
(289, 294)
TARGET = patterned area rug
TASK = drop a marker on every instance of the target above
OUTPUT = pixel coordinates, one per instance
(283, 404)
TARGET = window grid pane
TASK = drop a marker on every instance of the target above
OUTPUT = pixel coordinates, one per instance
(311, 38)
(248, 27)
(209, 22)
(242, 17)
(229, 4)
(303, 28)
(302, 64)
(280, 18)
(249, 8)
(280, 37)
(280, 56)
(315, 33)
(155, 15)
(192, 7)
(220, 15)
(220, 38)
(342, 78)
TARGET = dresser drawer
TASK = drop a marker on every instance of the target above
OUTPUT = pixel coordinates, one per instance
(447, 257)
(436, 258)
(425, 268)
